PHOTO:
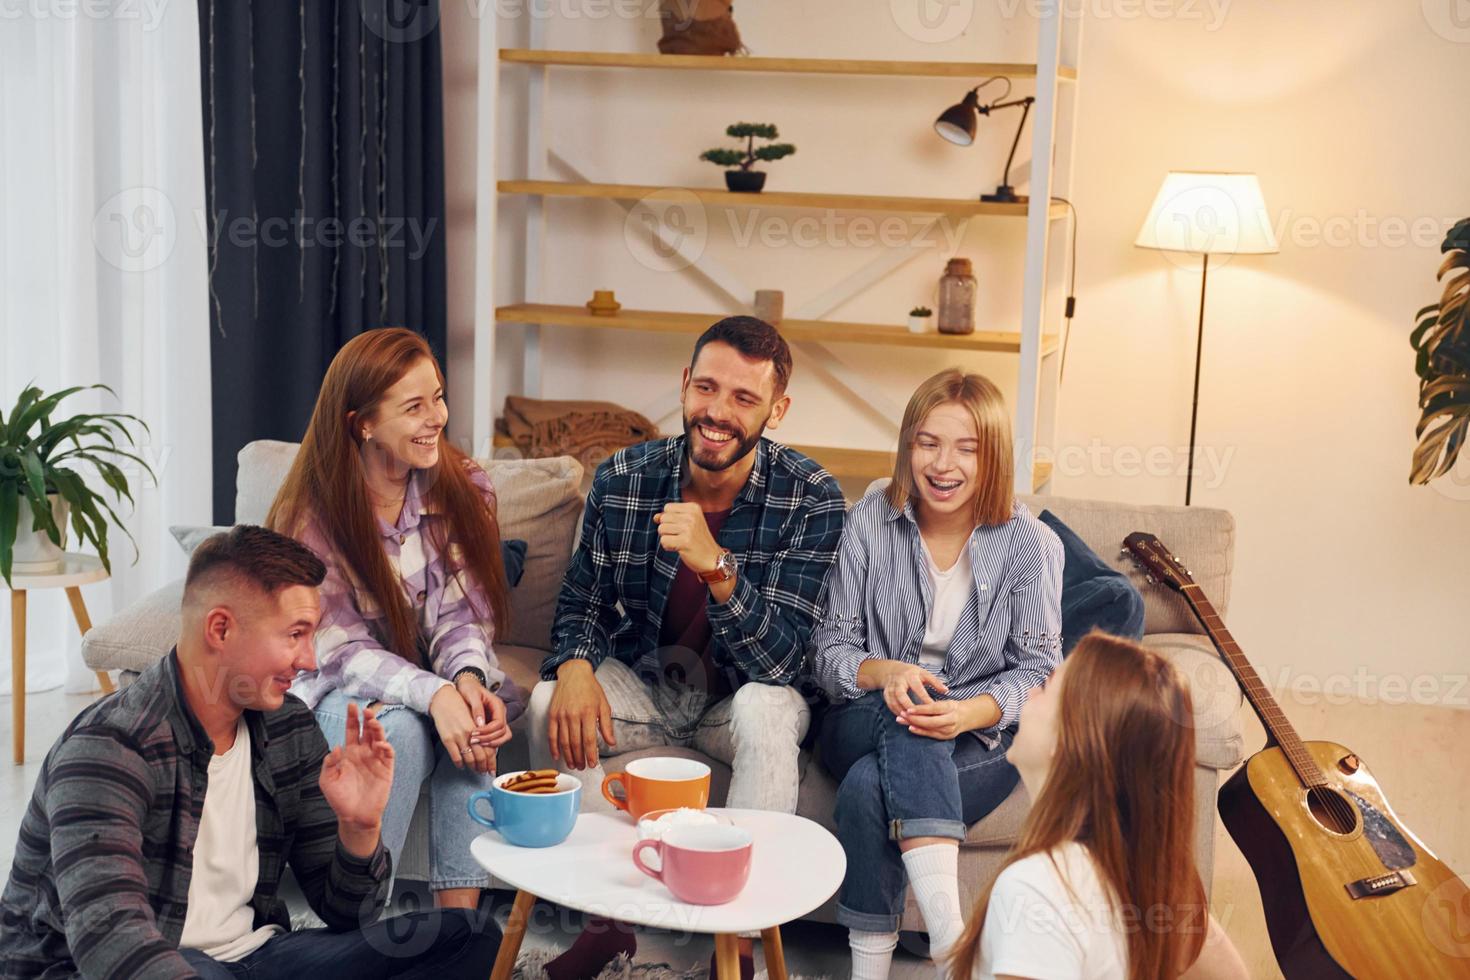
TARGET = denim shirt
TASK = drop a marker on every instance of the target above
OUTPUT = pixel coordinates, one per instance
(877, 601)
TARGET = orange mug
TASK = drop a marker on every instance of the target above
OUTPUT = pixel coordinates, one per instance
(659, 783)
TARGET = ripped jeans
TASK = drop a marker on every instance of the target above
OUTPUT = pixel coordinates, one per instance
(897, 785)
(419, 757)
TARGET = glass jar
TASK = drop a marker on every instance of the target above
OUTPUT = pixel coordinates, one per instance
(957, 298)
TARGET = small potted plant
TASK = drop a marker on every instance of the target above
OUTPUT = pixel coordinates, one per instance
(745, 179)
(40, 484)
(919, 319)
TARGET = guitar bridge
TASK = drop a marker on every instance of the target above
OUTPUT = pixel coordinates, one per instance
(1380, 884)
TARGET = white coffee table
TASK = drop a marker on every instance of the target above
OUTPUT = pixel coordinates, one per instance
(796, 865)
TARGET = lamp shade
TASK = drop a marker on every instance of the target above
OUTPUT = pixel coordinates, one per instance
(1210, 213)
(959, 122)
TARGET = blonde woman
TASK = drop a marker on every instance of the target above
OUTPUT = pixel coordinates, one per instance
(942, 613)
(1102, 883)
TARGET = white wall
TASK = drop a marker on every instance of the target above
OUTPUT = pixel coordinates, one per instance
(1350, 115)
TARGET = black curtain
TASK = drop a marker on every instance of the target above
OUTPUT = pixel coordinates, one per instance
(324, 179)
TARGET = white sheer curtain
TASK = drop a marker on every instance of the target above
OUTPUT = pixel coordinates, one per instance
(103, 272)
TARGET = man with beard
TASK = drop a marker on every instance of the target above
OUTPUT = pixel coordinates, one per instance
(685, 615)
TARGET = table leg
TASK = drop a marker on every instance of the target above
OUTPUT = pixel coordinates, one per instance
(18, 672)
(84, 623)
(727, 956)
(515, 931)
(775, 954)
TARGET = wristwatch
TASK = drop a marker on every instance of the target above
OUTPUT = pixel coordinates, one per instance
(474, 672)
(723, 571)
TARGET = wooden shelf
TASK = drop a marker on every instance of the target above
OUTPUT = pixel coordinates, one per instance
(776, 199)
(973, 70)
(822, 331)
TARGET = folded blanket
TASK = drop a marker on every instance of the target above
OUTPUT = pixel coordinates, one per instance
(590, 431)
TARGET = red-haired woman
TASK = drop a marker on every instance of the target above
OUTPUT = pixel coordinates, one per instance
(415, 589)
(1102, 883)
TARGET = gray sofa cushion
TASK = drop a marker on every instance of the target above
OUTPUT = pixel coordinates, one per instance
(139, 635)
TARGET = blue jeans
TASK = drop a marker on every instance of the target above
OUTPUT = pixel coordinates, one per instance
(442, 944)
(419, 757)
(897, 785)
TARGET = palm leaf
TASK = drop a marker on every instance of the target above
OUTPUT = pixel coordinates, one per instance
(1442, 363)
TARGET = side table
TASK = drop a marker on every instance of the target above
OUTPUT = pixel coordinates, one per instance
(75, 572)
(796, 865)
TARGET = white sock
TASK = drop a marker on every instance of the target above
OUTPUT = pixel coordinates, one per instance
(872, 953)
(933, 872)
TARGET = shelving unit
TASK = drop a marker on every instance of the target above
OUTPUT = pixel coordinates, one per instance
(1054, 72)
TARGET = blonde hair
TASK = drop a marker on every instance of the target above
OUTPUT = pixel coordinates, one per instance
(995, 466)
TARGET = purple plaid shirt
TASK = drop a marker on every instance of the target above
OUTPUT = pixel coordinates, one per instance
(350, 653)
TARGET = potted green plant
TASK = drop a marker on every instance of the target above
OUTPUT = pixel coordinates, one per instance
(41, 485)
(919, 319)
(743, 178)
(1442, 343)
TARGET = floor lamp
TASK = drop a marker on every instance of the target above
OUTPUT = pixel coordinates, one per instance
(1207, 214)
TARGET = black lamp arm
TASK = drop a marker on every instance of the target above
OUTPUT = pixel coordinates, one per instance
(1025, 105)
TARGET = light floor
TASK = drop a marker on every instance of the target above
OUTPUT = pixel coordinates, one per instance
(1416, 753)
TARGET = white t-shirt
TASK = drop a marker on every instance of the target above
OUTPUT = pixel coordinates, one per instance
(1036, 928)
(219, 920)
(951, 591)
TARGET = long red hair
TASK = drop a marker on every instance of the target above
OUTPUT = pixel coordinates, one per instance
(327, 485)
(1121, 782)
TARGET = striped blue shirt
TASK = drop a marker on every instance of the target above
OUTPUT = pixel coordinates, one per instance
(877, 602)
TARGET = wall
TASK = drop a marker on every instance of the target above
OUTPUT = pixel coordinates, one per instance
(1345, 574)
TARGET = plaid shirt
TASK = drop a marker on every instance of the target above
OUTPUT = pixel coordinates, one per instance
(350, 650)
(100, 882)
(783, 530)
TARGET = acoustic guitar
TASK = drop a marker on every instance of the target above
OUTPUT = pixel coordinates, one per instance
(1348, 890)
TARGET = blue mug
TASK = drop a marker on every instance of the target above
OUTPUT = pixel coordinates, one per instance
(530, 819)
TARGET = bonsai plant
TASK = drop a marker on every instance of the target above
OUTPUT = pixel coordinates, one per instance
(1443, 364)
(745, 179)
(919, 319)
(40, 484)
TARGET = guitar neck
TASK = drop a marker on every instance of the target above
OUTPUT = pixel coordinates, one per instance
(1278, 730)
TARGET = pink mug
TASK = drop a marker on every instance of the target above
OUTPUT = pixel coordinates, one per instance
(701, 865)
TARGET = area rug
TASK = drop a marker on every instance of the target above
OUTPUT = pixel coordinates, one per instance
(532, 966)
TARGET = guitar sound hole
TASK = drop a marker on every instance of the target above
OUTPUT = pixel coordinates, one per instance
(1332, 810)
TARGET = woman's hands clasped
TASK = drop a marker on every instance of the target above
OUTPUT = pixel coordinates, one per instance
(471, 722)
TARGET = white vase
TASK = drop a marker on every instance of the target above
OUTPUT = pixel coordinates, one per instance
(920, 324)
(34, 552)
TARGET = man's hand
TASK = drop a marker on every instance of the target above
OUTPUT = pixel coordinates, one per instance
(682, 528)
(949, 719)
(903, 684)
(356, 778)
(579, 710)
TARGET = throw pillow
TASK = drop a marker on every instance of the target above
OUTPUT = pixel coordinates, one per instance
(1093, 593)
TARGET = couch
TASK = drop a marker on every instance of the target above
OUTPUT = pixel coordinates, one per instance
(541, 502)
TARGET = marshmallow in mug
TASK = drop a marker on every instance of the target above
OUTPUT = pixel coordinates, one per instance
(682, 817)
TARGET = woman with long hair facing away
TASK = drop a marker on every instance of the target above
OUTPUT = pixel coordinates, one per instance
(414, 593)
(942, 612)
(1102, 883)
